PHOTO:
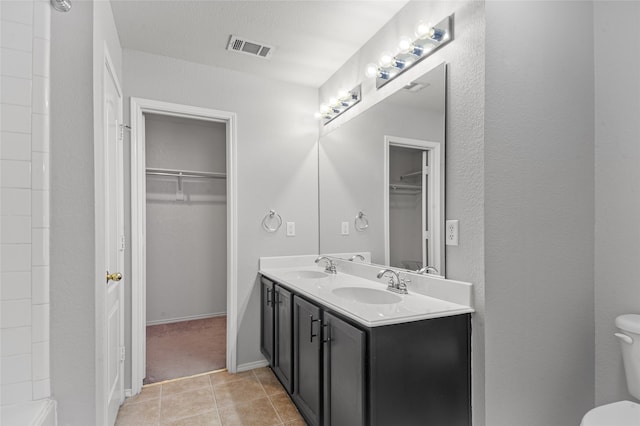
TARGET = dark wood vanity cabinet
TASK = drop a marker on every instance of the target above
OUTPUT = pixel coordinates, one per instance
(346, 374)
(266, 319)
(329, 367)
(276, 335)
(283, 337)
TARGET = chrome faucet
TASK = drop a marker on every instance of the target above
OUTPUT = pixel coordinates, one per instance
(330, 268)
(397, 285)
(426, 270)
(356, 256)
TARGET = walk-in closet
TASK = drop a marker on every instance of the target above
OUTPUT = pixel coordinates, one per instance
(186, 237)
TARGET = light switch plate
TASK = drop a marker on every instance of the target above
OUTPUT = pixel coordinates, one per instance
(344, 230)
(291, 229)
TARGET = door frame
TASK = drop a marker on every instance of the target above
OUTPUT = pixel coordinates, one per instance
(100, 158)
(139, 107)
(437, 164)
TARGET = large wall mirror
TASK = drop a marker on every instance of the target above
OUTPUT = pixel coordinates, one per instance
(382, 179)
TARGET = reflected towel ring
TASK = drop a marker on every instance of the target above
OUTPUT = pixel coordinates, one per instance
(361, 222)
(269, 217)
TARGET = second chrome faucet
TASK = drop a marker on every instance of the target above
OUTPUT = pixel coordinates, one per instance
(397, 285)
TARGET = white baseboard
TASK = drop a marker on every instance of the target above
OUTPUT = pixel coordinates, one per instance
(252, 365)
(187, 318)
(36, 413)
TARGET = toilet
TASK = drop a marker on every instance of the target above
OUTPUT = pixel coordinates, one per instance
(623, 413)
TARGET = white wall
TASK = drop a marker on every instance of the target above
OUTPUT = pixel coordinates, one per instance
(77, 41)
(464, 139)
(277, 161)
(539, 220)
(186, 240)
(617, 185)
(24, 188)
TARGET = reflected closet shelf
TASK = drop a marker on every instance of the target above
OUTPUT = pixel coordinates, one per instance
(185, 173)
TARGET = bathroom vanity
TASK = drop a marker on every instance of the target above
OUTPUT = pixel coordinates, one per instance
(349, 352)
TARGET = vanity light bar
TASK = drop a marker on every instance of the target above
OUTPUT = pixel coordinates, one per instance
(340, 104)
(428, 39)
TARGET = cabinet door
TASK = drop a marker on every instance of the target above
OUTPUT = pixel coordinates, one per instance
(283, 354)
(344, 373)
(266, 313)
(306, 359)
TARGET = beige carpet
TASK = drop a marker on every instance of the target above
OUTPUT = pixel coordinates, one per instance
(185, 348)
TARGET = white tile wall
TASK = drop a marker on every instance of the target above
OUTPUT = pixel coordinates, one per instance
(16, 285)
(15, 146)
(25, 30)
(15, 341)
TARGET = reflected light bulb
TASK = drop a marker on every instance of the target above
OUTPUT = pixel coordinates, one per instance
(317, 115)
(422, 29)
(405, 45)
(371, 70)
(386, 59)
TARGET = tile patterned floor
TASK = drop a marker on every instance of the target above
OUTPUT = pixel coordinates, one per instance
(251, 398)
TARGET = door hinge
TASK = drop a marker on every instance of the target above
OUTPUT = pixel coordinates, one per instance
(123, 353)
(123, 127)
(123, 243)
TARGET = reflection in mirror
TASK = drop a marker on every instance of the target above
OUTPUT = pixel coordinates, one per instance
(388, 163)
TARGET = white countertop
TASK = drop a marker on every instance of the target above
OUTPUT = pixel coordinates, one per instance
(410, 307)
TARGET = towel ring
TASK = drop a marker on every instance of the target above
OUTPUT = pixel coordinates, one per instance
(361, 222)
(268, 218)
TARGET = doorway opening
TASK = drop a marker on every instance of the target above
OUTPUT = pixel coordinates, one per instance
(414, 205)
(183, 241)
(186, 247)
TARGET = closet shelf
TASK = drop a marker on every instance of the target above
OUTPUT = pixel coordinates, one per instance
(402, 186)
(412, 174)
(185, 173)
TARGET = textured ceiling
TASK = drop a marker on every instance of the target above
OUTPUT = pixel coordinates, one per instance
(312, 38)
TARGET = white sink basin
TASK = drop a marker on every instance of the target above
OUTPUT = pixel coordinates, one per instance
(297, 275)
(367, 295)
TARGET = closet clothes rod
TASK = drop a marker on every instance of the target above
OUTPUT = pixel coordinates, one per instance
(185, 173)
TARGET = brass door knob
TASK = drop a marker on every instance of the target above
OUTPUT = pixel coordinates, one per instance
(116, 276)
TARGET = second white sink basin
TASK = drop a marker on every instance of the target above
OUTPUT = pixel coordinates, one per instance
(302, 274)
(367, 295)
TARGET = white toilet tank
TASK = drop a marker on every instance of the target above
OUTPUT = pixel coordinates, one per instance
(630, 341)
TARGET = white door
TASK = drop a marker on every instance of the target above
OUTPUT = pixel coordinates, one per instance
(112, 292)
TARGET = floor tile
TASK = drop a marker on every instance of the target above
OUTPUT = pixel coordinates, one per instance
(284, 407)
(147, 393)
(187, 404)
(226, 377)
(255, 413)
(140, 414)
(270, 383)
(238, 391)
(210, 418)
(185, 385)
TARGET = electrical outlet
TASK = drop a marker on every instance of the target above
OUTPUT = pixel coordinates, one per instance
(345, 228)
(291, 229)
(451, 229)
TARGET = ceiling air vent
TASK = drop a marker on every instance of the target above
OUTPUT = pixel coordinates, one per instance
(249, 47)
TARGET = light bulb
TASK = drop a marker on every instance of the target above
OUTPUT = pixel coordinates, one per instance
(317, 115)
(405, 45)
(342, 94)
(422, 29)
(371, 70)
(386, 59)
(324, 108)
(333, 102)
